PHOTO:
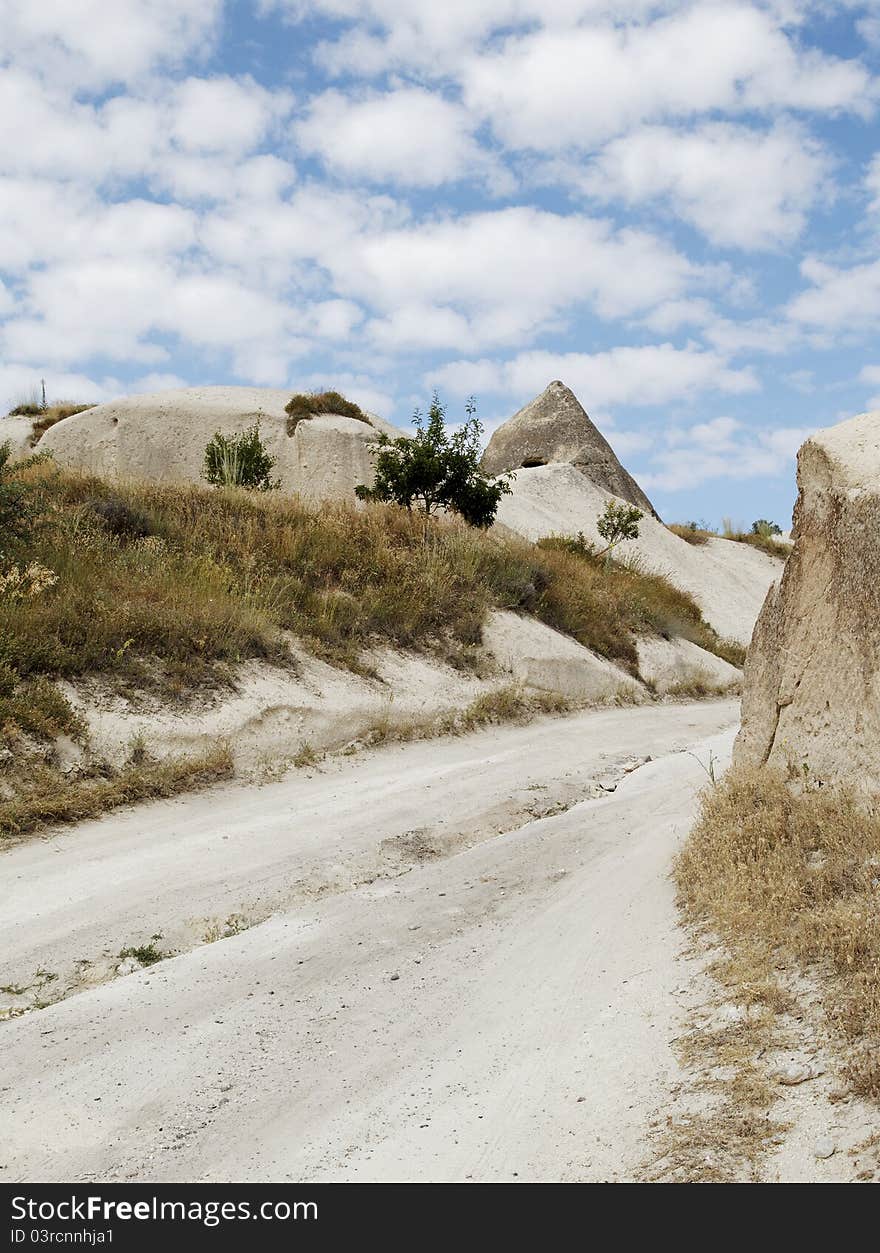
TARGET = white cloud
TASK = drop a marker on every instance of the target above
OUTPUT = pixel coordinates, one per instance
(168, 133)
(409, 136)
(840, 298)
(552, 89)
(92, 43)
(722, 448)
(736, 185)
(506, 272)
(651, 375)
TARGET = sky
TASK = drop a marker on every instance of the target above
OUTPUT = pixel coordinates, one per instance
(672, 207)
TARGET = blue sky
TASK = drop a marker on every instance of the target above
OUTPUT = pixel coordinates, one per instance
(673, 207)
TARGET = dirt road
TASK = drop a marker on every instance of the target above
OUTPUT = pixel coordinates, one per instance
(456, 959)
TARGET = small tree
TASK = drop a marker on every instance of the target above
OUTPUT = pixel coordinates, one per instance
(765, 529)
(619, 522)
(434, 470)
(239, 460)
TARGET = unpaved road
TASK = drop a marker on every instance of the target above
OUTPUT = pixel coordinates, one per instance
(435, 984)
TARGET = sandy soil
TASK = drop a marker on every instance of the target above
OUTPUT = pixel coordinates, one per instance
(500, 1010)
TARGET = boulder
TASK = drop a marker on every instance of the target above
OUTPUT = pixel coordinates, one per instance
(542, 658)
(555, 427)
(17, 432)
(683, 668)
(812, 679)
(162, 436)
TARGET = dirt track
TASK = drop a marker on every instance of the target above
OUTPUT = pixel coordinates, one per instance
(434, 984)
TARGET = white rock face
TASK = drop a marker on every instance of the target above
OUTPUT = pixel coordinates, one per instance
(670, 664)
(542, 658)
(812, 679)
(162, 436)
(555, 427)
(17, 432)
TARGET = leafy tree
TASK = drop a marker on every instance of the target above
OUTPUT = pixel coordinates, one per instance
(619, 521)
(239, 460)
(435, 470)
(765, 529)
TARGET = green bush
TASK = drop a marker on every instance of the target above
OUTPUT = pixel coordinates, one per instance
(434, 470)
(239, 460)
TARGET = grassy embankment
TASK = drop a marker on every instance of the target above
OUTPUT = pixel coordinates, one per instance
(169, 587)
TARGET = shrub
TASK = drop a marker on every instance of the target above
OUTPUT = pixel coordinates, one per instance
(239, 460)
(27, 409)
(765, 529)
(434, 470)
(306, 405)
(121, 519)
(17, 507)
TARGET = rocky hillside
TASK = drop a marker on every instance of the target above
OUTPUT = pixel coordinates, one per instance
(566, 472)
(161, 437)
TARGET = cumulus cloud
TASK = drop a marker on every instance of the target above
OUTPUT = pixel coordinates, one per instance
(650, 375)
(90, 43)
(722, 448)
(550, 89)
(737, 185)
(408, 136)
(840, 297)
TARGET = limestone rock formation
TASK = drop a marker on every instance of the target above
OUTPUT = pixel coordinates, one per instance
(555, 427)
(812, 678)
(17, 433)
(163, 435)
(542, 658)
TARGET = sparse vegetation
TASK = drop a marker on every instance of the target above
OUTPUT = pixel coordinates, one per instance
(162, 587)
(305, 405)
(40, 794)
(146, 954)
(761, 538)
(639, 601)
(786, 873)
(433, 470)
(54, 413)
(240, 460)
(618, 522)
(690, 532)
(762, 535)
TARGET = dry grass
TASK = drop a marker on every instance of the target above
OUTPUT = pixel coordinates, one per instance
(223, 574)
(690, 534)
(54, 413)
(40, 794)
(768, 544)
(787, 873)
(307, 405)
